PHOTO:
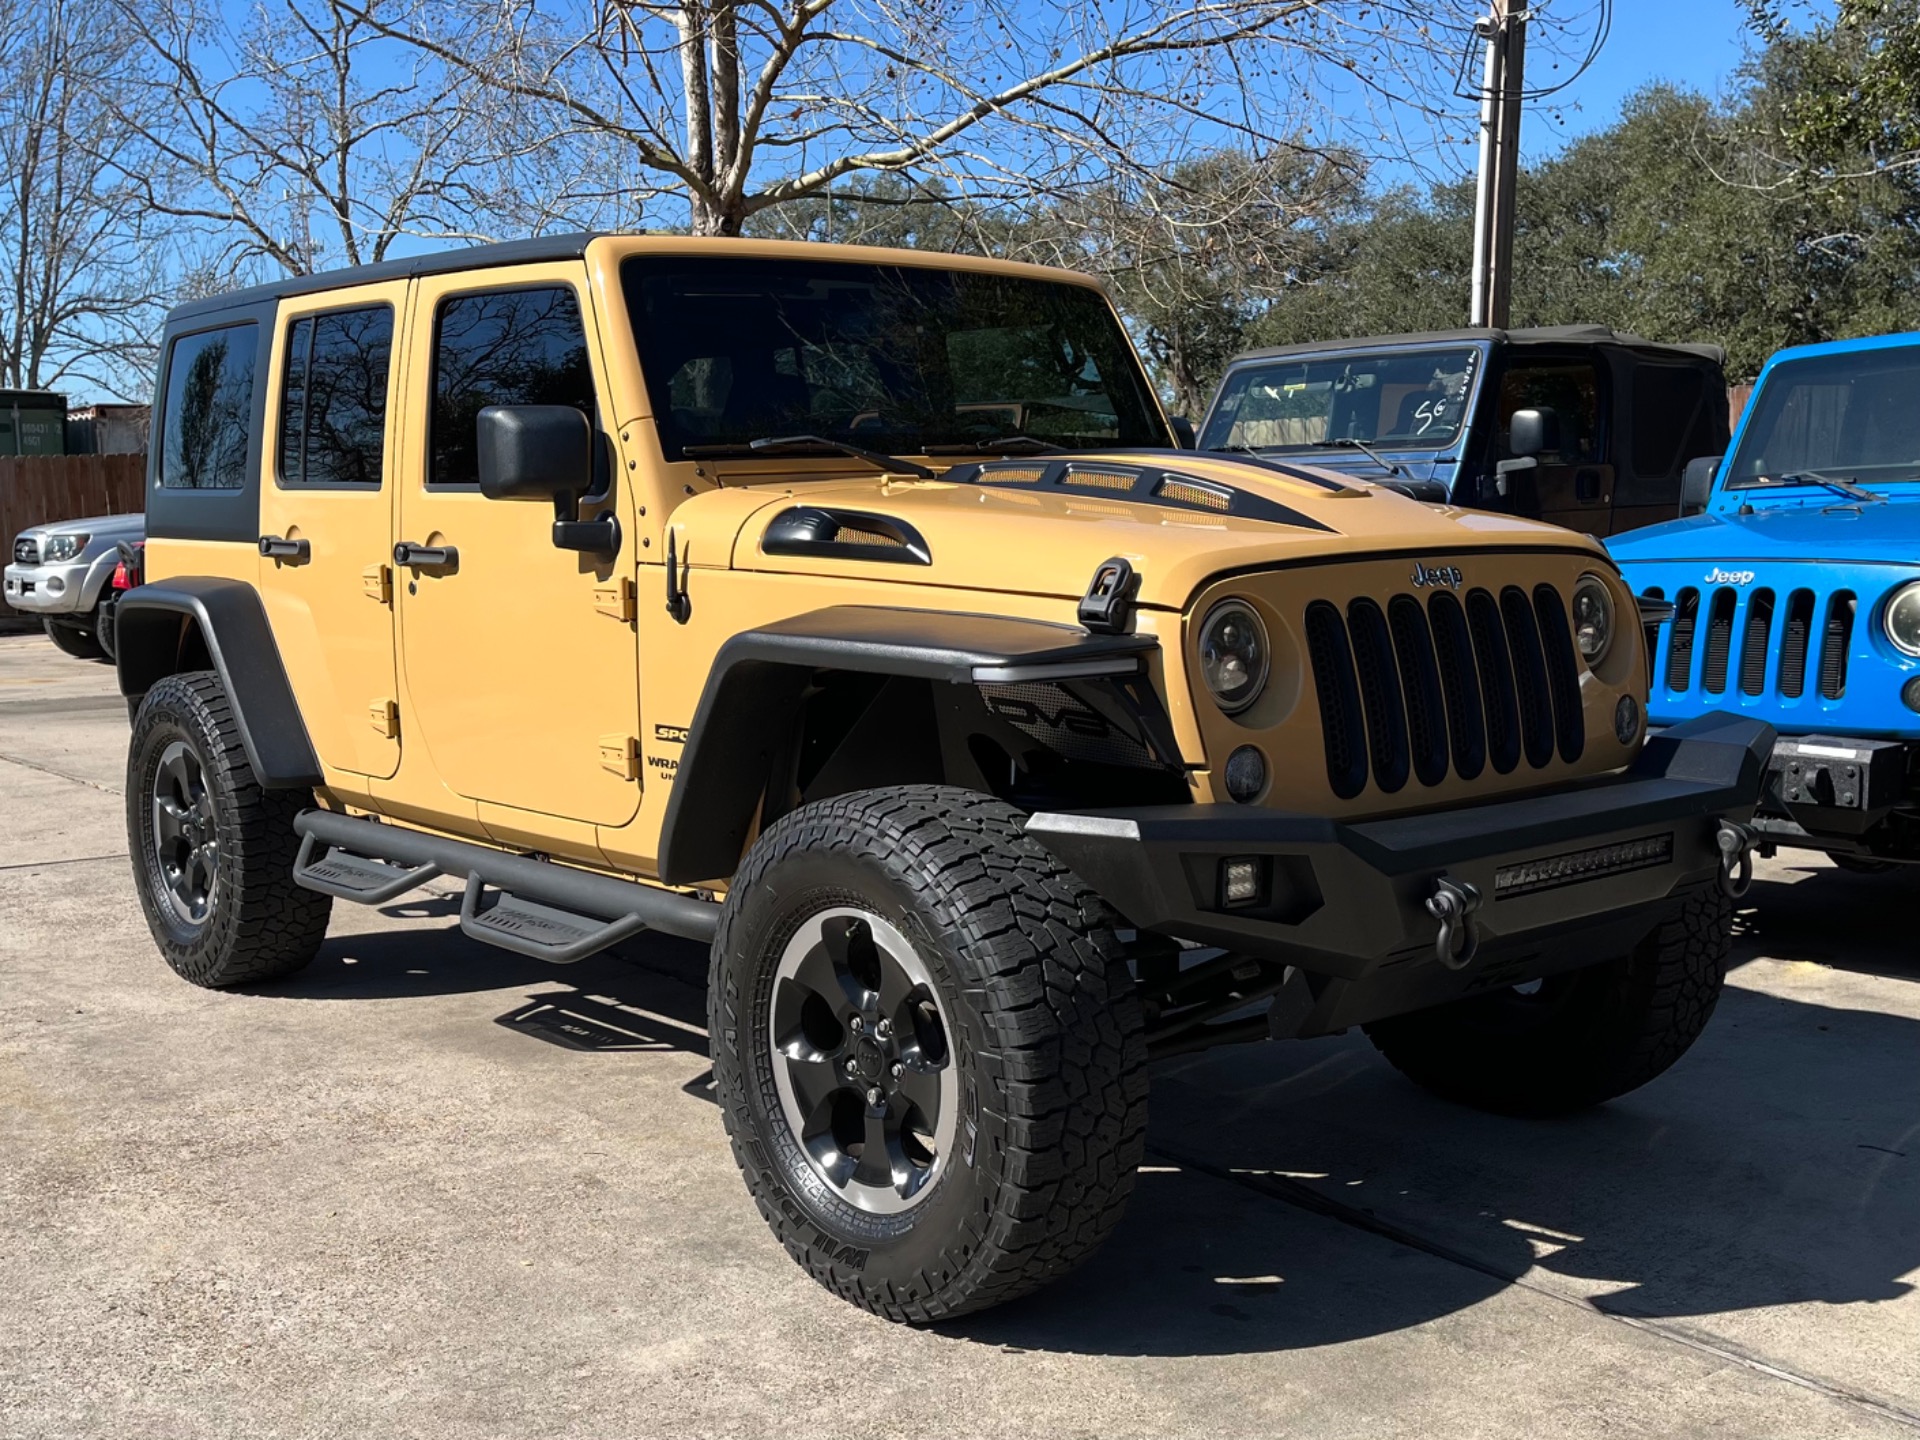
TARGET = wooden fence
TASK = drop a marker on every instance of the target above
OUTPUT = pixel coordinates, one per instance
(40, 488)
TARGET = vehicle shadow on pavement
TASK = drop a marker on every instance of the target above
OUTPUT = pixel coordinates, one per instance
(648, 993)
(1777, 1164)
(1860, 923)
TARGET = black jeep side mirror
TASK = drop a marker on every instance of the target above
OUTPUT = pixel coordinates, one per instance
(544, 452)
(1696, 483)
(1182, 429)
(1533, 433)
(533, 452)
(1530, 434)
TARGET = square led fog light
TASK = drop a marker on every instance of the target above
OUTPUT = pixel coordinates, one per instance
(1243, 880)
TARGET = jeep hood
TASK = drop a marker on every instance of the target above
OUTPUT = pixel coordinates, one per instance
(1815, 532)
(1048, 540)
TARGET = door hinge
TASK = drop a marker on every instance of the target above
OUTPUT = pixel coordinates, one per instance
(377, 582)
(615, 600)
(621, 755)
(384, 715)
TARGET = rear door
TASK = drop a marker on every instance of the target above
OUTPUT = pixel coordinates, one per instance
(1575, 487)
(519, 658)
(326, 519)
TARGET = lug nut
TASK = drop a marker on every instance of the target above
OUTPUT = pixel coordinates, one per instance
(856, 1024)
(873, 1096)
(896, 1069)
(883, 1029)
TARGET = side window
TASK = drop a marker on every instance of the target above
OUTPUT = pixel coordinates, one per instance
(208, 407)
(503, 347)
(333, 402)
(1569, 389)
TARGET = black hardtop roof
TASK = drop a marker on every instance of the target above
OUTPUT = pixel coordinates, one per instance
(438, 262)
(1534, 335)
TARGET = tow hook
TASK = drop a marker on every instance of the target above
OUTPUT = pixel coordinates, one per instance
(1736, 843)
(1453, 904)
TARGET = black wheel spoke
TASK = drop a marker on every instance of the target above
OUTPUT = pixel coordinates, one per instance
(814, 1082)
(186, 843)
(863, 1068)
(919, 1085)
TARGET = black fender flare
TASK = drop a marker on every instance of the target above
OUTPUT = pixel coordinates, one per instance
(151, 624)
(754, 690)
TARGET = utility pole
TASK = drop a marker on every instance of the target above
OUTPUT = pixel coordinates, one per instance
(1504, 29)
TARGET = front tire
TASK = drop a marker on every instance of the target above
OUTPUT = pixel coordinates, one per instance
(1580, 1038)
(75, 640)
(212, 850)
(928, 1050)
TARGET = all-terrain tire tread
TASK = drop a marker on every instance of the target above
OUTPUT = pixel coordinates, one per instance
(268, 926)
(1068, 1054)
(1657, 1002)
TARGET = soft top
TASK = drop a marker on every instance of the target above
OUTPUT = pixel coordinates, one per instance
(1534, 335)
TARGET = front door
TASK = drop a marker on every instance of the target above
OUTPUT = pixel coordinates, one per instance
(1573, 488)
(326, 521)
(521, 669)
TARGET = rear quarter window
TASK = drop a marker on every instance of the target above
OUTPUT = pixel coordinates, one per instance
(208, 408)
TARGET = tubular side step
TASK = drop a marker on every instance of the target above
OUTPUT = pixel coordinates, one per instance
(544, 909)
(346, 876)
(545, 932)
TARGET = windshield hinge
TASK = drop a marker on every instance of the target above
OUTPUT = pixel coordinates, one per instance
(1107, 607)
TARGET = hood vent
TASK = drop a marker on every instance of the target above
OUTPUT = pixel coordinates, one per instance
(845, 535)
(1140, 484)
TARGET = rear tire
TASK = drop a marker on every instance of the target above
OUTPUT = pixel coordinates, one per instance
(1583, 1037)
(75, 640)
(1015, 1048)
(213, 852)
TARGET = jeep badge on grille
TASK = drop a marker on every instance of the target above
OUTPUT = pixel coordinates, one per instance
(1719, 576)
(1448, 575)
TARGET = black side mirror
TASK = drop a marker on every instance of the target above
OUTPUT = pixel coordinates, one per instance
(1183, 431)
(544, 452)
(1534, 433)
(533, 452)
(1696, 483)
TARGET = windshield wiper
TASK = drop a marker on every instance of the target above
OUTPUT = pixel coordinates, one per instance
(1347, 442)
(800, 444)
(1832, 482)
(997, 445)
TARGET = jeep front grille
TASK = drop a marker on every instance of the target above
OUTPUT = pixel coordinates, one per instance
(1416, 689)
(1809, 625)
(26, 551)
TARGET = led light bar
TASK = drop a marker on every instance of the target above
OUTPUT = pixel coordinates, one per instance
(1531, 876)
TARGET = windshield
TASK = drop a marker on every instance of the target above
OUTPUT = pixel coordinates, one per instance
(1853, 417)
(894, 358)
(1410, 399)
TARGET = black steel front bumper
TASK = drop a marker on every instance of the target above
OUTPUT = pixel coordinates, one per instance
(1606, 859)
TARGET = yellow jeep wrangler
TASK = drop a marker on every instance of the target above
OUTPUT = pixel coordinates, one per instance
(859, 613)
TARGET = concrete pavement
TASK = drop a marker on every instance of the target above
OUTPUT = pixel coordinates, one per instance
(427, 1188)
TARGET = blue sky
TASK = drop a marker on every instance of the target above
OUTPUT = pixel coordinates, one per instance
(1696, 43)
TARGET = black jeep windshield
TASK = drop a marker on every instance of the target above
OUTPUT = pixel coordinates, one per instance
(1850, 417)
(1406, 399)
(894, 358)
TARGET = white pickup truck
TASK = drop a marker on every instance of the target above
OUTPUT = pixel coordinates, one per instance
(63, 572)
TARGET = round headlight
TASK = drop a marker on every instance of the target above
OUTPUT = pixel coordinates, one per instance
(1592, 618)
(1233, 655)
(1903, 619)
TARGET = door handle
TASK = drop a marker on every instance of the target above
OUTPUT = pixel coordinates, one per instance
(426, 557)
(274, 547)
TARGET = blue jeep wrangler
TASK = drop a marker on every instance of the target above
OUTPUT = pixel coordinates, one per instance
(1794, 595)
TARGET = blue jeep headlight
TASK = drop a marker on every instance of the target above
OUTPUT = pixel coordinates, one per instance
(1902, 619)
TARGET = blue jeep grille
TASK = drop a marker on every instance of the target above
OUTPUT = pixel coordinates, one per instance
(1710, 627)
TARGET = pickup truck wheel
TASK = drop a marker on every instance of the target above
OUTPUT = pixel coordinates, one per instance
(1578, 1038)
(213, 852)
(75, 640)
(928, 1049)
